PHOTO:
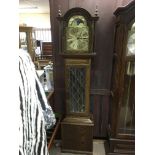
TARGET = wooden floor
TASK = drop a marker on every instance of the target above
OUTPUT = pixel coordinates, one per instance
(98, 148)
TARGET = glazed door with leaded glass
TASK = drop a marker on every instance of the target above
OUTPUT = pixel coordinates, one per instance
(77, 74)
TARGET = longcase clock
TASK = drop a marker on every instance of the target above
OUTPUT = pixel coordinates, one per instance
(76, 45)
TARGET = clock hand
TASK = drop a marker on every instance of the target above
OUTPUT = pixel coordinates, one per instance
(74, 44)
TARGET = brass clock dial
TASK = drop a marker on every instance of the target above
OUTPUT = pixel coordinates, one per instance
(77, 35)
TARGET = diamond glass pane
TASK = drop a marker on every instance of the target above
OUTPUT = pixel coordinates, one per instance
(76, 89)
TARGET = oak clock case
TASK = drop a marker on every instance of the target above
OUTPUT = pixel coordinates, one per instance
(76, 45)
(122, 113)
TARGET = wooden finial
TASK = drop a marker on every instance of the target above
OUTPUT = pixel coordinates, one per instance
(96, 11)
(59, 11)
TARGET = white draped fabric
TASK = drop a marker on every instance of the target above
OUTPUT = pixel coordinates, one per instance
(34, 110)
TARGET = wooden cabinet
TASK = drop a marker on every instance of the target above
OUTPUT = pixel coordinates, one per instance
(27, 40)
(122, 108)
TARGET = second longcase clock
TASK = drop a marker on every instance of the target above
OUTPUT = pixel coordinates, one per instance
(121, 128)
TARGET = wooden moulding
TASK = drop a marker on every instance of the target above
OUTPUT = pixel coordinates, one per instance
(78, 121)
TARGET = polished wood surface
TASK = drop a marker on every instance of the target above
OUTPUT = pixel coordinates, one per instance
(77, 135)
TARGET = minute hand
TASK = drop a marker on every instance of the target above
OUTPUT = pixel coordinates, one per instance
(82, 37)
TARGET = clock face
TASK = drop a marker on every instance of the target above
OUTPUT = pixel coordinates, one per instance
(77, 35)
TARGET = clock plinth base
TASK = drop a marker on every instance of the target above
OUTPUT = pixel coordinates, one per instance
(77, 135)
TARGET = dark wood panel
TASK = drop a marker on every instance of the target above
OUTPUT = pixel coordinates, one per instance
(99, 106)
(104, 92)
(81, 142)
(58, 61)
(47, 48)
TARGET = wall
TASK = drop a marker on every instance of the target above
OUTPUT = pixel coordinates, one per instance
(41, 20)
(121, 3)
(101, 63)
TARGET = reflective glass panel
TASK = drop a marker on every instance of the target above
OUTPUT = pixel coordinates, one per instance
(131, 41)
(127, 109)
(76, 89)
